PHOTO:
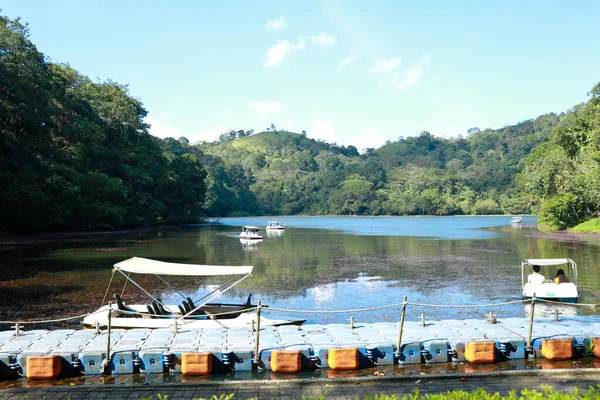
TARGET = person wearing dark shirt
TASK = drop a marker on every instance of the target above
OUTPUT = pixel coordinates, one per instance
(561, 277)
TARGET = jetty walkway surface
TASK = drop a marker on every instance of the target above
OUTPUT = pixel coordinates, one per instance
(565, 380)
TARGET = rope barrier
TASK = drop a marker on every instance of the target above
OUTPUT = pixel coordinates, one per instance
(213, 315)
(468, 306)
(397, 305)
(591, 305)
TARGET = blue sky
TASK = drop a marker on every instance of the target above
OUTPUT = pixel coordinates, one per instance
(351, 72)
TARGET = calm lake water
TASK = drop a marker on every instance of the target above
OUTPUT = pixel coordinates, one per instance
(317, 265)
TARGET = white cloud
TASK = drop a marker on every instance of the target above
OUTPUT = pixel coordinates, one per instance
(350, 58)
(409, 76)
(386, 66)
(266, 108)
(290, 124)
(278, 51)
(322, 130)
(324, 39)
(162, 130)
(275, 24)
(366, 140)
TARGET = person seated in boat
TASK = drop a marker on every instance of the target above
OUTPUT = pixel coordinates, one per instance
(561, 277)
(535, 277)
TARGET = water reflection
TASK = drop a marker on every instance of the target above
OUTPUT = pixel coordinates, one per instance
(250, 244)
(148, 380)
(275, 232)
(303, 269)
(547, 310)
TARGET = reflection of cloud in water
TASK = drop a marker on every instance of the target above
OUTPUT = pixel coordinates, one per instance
(323, 293)
(371, 283)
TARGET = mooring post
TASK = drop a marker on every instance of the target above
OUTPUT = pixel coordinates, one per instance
(17, 329)
(397, 354)
(106, 362)
(422, 319)
(352, 322)
(257, 335)
(556, 314)
(529, 348)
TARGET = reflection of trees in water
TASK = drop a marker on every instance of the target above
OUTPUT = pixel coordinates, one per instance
(287, 266)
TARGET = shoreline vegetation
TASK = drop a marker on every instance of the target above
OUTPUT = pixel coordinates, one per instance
(77, 155)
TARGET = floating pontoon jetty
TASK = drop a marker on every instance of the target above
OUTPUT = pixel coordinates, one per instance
(49, 354)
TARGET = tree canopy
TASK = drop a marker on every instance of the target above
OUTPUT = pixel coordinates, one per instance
(76, 154)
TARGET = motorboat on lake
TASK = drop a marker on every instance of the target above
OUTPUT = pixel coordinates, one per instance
(516, 220)
(274, 225)
(250, 232)
(547, 289)
(199, 313)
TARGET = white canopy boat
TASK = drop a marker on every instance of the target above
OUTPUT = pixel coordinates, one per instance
(275, 225)
(250, 232)
(547, 289)
(516, 220)
(206, 314)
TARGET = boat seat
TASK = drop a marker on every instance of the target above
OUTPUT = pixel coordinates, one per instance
(151, 311)
(160, 309)
(122, 307)
(163, 310)
(156, 308)
(190, 306)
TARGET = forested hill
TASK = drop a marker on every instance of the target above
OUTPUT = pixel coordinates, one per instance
(77, 155)
(286, 173)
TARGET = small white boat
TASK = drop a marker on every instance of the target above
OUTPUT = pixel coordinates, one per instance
(199, 313)
(516, 220)
(250, 232)
(275, 225)
(546, 288)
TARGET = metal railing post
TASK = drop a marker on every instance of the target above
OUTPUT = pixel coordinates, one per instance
(397, 354)
(529, 348)
(257, 335)
(106, 362)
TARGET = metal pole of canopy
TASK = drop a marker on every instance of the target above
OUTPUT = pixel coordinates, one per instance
(138, 286)
(214, 297)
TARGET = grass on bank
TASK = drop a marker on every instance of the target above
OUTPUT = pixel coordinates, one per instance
(589, 226)
(546, 393)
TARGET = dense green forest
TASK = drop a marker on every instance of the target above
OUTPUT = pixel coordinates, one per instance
(76, 154)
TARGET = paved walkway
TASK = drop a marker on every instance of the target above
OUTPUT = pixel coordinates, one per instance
(348, 388)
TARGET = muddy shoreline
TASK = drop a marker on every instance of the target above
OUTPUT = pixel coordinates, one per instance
(566, 236)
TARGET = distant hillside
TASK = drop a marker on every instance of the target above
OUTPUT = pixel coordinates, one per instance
(288, 173)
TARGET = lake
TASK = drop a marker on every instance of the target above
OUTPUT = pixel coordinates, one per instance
(316, 269)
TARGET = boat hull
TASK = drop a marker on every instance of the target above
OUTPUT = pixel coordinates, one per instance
(145, 320)
(571, 300)
(564, 292)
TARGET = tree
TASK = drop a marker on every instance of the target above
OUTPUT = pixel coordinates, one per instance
(354, 196)
(473, 131)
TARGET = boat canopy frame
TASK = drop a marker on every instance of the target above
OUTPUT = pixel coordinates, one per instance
(146, 266)
(542, 262)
